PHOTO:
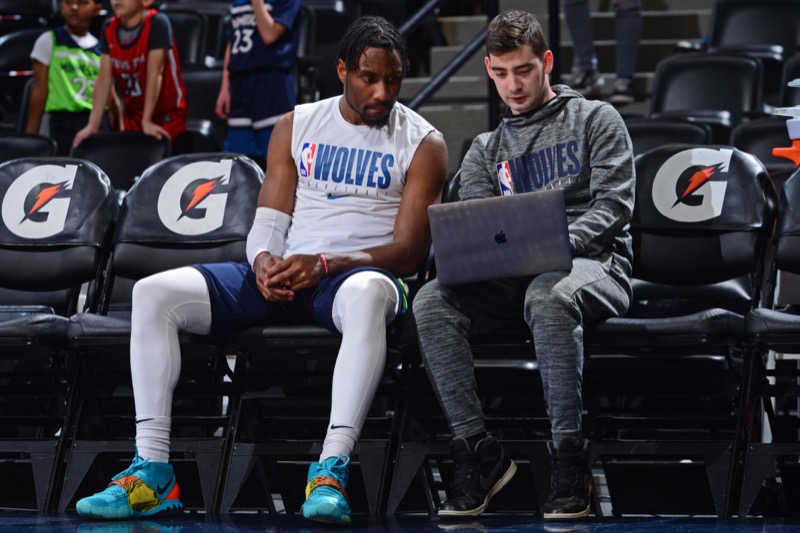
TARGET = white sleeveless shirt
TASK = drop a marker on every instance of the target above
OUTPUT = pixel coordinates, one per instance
(350, 178)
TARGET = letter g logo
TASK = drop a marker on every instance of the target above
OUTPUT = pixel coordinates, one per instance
(34, 206)
(191, 203)
(682, 190)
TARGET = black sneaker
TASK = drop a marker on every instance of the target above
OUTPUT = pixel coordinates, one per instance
(622, 93)
(588, 84)
(571, 482)
(478, 476)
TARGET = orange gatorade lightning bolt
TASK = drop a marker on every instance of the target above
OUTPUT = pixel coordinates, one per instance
(697, 179)
(200, 193)
(44, 196)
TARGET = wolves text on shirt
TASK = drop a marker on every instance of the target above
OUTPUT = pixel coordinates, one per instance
(349, 166)
(535, 170)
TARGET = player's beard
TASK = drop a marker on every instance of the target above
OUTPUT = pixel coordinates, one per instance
(371, 122)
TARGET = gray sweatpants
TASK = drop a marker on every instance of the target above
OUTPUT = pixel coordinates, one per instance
(555, 305)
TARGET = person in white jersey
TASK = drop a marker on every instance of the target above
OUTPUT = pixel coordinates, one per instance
(342, 212)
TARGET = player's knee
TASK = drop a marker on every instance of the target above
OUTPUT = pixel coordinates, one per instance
(367, 291)
(149, 294)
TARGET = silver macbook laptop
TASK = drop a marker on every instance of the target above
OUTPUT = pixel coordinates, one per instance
(500, 237)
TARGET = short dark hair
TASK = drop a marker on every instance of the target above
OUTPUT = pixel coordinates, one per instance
(511, 30)
(371, 32)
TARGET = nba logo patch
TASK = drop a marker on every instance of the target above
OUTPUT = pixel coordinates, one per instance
(504, 177)
(307, 156)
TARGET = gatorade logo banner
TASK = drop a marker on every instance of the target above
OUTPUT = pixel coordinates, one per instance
(690, 186)
(37, 202)
(193, 199)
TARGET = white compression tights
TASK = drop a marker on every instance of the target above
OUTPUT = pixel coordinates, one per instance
(163, 304)
(178, 300)
(364, 304)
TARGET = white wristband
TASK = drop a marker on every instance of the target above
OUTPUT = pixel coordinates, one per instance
(268, 233)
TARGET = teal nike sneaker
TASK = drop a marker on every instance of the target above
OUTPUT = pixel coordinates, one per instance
(326, 497)
(145, 489)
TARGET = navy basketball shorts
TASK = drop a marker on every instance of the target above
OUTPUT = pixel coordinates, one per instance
(237, 304)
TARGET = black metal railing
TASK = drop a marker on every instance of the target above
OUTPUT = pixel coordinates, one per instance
(418, 17)
(448, 70)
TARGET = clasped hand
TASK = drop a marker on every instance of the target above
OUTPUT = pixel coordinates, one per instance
(278, 279)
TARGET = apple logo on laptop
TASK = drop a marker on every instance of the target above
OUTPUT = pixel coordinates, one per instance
(500, 238)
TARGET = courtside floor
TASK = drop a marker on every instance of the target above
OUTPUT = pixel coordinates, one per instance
(507, 523)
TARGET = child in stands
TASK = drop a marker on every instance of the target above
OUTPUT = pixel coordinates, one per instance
(66, 61)
(140, 56)
(258, 79)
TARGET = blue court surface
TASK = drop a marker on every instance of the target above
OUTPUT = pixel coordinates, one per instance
(509, 523)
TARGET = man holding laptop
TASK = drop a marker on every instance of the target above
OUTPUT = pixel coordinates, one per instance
(551, 138)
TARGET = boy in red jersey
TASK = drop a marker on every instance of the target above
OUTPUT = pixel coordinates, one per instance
(139, 55)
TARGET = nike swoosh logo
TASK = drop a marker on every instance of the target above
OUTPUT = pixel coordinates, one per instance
(143, 420)
(160, 491)
(337, 427)
(486, 482)
(336, 197)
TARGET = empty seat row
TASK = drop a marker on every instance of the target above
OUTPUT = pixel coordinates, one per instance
(123, 156)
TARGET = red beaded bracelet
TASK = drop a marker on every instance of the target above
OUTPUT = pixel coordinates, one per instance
(324, 262)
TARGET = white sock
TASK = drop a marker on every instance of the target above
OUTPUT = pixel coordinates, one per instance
(339, 441)
(152, 438)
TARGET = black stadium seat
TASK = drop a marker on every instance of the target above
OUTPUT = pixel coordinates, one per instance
(15, 70)
(714, 89)
(16, 145)
(190, 28)
(790, 96)
(57, 217)
(205, 132)
(123, 155)
(759, 137)
(766, 30)
(23, 14)
(647, 133)
(773, 393)
(665, 381)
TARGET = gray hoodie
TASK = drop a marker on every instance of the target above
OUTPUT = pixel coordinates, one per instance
(570, 143)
